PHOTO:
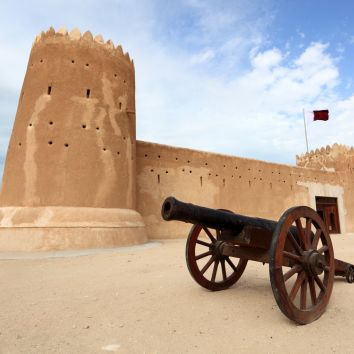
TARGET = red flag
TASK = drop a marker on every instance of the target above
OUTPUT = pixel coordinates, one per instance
(320, 115)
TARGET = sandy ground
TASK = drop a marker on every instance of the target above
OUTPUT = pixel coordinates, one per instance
(143, 300)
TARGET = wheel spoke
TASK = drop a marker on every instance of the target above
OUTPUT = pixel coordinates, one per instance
(203, 243)
(319, 282)
(316, 238)
(322, 249)
(202, 255)
(308, 229)
(294, 243)
(215, 269)
(223, 269)
(229, 261)
(207, 265)
(218, 234)
(303, 294)
(212, 238)
(302, 234)
(295, 269)
(300, 278)
(312, 291)
(291, 256)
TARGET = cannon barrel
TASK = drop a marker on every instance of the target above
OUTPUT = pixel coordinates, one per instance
(173, 209)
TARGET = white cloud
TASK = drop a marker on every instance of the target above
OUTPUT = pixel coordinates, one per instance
(258, 113)
(202, 57)
(267, 59)
(206, 80)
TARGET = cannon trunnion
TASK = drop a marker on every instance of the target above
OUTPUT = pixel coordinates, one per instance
(298, 249)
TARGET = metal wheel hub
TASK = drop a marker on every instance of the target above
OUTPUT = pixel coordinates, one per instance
(313, 262)
(217, 248)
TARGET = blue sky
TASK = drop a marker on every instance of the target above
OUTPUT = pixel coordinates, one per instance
(224, 76)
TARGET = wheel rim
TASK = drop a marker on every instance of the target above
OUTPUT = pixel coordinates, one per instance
(207, 266)
(301, 265)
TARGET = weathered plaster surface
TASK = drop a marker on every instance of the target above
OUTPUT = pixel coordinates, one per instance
(327, 190)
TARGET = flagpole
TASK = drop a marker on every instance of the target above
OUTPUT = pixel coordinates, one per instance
(307, 143)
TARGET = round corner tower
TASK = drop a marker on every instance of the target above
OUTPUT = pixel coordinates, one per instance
(70, 165)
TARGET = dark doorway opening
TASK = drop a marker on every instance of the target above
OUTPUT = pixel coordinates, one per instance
(327, 208)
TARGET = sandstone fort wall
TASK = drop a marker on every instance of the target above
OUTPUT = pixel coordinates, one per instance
(75, 176)
(73, 142)
(70, 172)
(245, 186)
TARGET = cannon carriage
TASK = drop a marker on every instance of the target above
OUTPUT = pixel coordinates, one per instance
(298, 249)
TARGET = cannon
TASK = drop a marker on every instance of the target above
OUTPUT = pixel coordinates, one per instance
(298, 249)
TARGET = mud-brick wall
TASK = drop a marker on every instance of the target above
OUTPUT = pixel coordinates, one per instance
(245, 186)
(73, 141)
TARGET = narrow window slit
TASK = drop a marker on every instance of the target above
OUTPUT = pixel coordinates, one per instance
(49, 90)
(88, 91)
(158, 179)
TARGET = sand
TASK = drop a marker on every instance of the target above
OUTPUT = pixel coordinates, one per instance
(143, 300)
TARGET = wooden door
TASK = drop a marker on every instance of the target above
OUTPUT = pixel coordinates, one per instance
(327, 208)
(331, 219)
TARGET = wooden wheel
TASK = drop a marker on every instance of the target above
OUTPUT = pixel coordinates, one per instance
(207, 266)
(301, 265)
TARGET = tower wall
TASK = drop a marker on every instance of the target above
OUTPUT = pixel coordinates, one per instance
(70, 173)
(73, 142)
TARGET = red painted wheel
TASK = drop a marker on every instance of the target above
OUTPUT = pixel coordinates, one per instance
(301, 265)
(207, 266)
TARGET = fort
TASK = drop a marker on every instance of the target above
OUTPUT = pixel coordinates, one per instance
(76, 176)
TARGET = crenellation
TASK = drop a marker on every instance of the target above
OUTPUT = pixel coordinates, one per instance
(329, 157)
(119, 49)
(75, 34)
(87, 36)
(63, 31)
(99, 39)
(50, 32)
(109, 45)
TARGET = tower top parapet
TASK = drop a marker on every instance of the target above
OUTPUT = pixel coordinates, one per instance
(335, 157)
(87, 38)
